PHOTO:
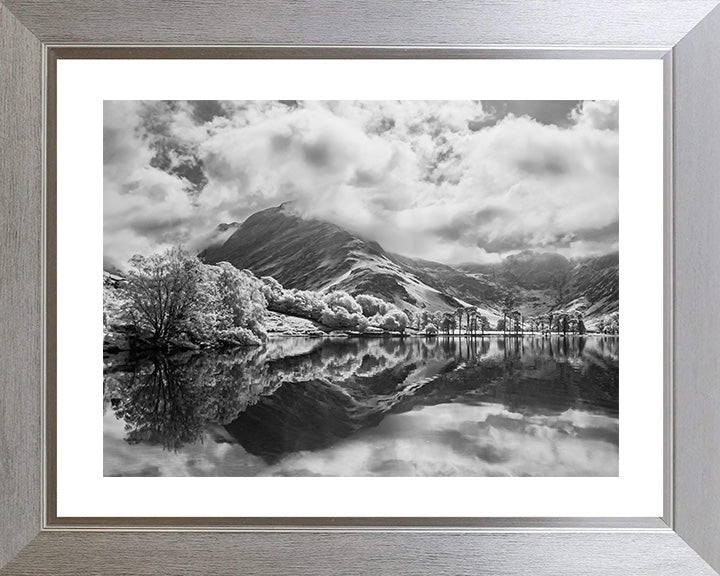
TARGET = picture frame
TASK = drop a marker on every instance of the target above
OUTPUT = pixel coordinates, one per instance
(684, 34)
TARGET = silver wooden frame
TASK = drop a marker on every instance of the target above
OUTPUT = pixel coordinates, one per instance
(684, 33)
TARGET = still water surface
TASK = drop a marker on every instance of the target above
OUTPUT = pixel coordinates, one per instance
(533, 406)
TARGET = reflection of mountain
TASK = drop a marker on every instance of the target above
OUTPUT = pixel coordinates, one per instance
(538, 377)
(297, 395)
(314, 255)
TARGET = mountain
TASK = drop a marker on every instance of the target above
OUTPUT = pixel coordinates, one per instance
(313, 255)
(310, 254)
(545, 281)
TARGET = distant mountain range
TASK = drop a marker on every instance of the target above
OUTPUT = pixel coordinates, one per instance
(311, 254)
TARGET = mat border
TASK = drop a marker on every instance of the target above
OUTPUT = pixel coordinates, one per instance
(52, 520)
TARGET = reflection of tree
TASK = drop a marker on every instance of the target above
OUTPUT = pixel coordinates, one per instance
(169, 400)
(314, 391)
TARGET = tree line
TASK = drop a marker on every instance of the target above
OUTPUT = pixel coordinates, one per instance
(175, 299)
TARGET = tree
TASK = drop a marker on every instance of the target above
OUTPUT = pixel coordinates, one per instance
(472, 323)
(173, 299)
(301, 303)
(431, 330)
(508, 304)
(516, 318)
(564, 323)
(581, 325)
(160, 291)
(395, 321)
(459, 315)
(342, 311)
(371, 305)
(272, 289)
(447, 322)
(609, 324)
(484, 323)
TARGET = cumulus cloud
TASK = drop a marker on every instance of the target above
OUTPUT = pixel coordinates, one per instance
(450, 181)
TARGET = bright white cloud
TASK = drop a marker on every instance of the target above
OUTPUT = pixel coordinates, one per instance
(418, 177)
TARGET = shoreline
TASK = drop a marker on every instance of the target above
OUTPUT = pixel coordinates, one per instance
(342, 335)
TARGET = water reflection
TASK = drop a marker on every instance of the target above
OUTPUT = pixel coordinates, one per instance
(482, 406)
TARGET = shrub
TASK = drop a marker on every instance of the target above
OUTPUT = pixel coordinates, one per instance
(431, 330)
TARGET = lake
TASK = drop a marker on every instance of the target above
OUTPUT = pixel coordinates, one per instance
(492, 406)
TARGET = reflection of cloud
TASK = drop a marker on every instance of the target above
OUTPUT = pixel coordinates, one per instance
(500, 178)
(460, 440)
(336, 391)
(444, 440)
(207, 458)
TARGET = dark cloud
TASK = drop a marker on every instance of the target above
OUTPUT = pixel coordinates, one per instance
(548, 112)
(383, 125)
(468, 225)
(549, 164)
(172, 154)
(207, 110)
(318, 154)
(606, 234)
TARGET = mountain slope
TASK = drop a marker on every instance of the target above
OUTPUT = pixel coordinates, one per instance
(597, 282)
(313, 255)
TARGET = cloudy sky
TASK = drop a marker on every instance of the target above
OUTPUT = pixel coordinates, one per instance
(455, 182)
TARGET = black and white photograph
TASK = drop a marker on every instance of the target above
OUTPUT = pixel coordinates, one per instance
(361, 288)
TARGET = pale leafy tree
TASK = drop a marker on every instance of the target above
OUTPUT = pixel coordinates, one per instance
(431, 330)
(609, 324)
(301, 303)
(272, 289)
(371, 305)
(342, 311)
(161, 290)
(395, 320)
